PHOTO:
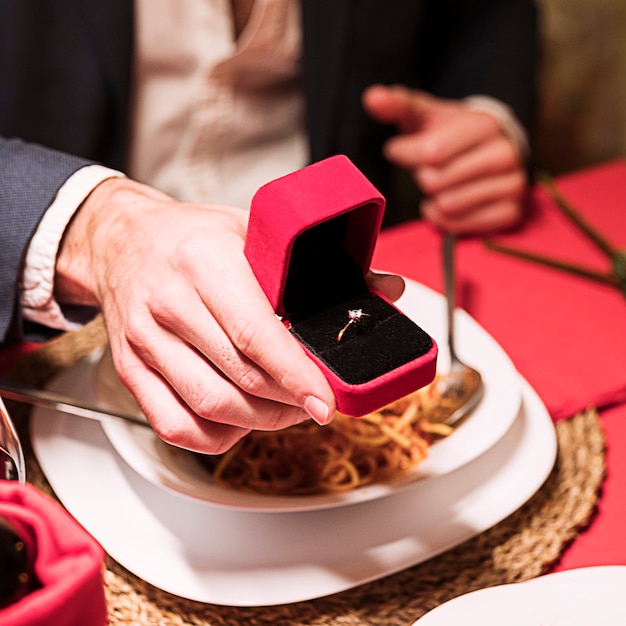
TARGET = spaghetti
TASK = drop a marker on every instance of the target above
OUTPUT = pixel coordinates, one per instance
(346, 454)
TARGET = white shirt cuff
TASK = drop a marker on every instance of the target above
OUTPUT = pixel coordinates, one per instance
(37, 280)
(505, 118)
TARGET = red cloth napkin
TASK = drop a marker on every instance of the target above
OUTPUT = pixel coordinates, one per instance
(67, 562)
(566, 334)
(10, 354)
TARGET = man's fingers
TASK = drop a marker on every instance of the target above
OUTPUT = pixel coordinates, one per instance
(217, 381)
(172, 420)
(487, 218)
(441, 142)
(189, 323)
(488, 159)
(250, 324)
(398, 105)
(484, 205)
(466, 197)
(213, 416)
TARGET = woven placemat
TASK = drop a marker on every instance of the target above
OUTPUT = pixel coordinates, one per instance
(521, 547)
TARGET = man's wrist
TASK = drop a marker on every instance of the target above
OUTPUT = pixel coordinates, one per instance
(38, 276)
(506, 119)
(113, 206)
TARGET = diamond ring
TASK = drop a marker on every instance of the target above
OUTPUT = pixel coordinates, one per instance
(354, 316)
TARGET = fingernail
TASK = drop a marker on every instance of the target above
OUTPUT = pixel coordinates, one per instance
(317, 410)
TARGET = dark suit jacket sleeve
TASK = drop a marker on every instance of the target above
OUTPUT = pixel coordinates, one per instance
(30, 176)
(65, 76)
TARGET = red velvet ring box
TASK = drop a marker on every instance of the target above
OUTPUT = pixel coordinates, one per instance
(311, 236)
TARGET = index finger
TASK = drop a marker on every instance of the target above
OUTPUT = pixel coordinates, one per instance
(442, 142)
(398, 105)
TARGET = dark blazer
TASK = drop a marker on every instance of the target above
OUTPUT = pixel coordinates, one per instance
(65, 80)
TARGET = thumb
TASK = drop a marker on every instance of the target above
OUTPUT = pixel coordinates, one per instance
(390, 285)
(406, 108)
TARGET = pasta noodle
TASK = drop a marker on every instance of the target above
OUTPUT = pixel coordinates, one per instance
(346, 454)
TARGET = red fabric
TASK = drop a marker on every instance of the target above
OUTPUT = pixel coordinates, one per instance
(68, 563)
(602, 543)
(9, 355)
(566, 334)
(286, 207)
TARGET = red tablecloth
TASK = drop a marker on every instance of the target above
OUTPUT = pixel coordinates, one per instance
(566, 334)
(603, 542)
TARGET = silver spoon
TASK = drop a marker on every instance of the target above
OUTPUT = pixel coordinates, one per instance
(461, 388)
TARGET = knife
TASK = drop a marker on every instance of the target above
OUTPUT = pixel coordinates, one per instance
(60, 402)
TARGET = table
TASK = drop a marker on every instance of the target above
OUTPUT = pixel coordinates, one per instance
(512, 299)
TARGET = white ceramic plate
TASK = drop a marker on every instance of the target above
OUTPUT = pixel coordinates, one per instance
(227, 556)
(590, 596)
(182, 473)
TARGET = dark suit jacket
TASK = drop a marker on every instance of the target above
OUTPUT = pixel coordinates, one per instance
(65, 79)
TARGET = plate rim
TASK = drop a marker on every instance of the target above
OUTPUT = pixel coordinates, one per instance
(267, 583)
(522, 590)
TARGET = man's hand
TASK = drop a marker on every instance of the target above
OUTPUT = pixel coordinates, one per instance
(471, 173)
(192, 334)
